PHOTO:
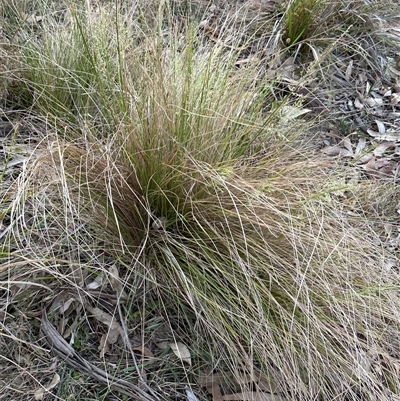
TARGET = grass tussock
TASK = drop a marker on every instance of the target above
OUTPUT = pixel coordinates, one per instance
(165, 196)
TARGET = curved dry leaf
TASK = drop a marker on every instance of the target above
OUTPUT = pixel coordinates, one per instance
(179, 349)
(103, 347)
(337, 151)
(372, 102)
(40, 392)
(163, 345)
(380, 167)
(332, 150)
(347, 144)
(349, 70)
(364, 159)
(358, 104)
(291, 112)
(96, 283)
(145, 352)
(62, 302)
(360, 146)
(114, 331)
(104, 317)
(395, 98)
(382, 148)
(381, 126)
(116, 282)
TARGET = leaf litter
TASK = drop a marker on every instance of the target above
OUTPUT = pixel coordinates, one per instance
(179, 349)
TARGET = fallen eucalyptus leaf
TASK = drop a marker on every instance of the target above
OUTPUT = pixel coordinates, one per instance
(360, 146)
(382, 148)
(348, 145)
(374, 102)
(395, 98)
(62, 302)
(40, 392)
(349, 70)
(291, 112)
(179, 349)
(145, 351)
(381, 126)
(116, 282)
(337, 151)
(96, 283)
(358, 104)
(114, 331)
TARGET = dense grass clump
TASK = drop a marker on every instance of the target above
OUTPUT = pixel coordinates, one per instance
(169, 195)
